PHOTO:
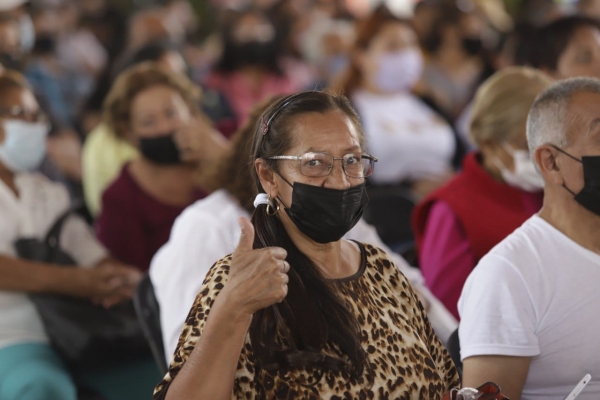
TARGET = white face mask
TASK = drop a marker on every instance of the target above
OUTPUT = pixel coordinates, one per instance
(525, 176)
(399, 71)
(24, 145)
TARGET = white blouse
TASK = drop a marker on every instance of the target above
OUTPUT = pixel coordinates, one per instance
(30, 215)
(410, 140)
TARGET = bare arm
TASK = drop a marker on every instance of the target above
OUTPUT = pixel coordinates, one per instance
(209, 372)
(257, 279)
(34, 277)
(507, 372)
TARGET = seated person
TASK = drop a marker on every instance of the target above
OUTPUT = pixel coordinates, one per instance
(209, 228)
(157, 112)
(529, 309)
(105, 153)
(29, 205)
(496, 191)
(416, 146)
(350, 318)
(566, 48)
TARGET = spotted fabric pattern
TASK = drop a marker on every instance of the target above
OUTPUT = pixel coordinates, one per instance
(406, 360)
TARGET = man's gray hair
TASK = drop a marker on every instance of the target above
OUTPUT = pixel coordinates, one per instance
(548, 122)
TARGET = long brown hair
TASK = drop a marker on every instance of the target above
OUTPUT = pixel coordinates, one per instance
(367, 30)
(293, 333)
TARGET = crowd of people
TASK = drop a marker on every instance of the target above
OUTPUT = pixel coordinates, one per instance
(321, 192)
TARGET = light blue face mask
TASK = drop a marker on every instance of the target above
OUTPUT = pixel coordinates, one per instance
(24, 145)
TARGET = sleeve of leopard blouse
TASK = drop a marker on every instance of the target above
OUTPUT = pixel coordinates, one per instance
(194, 324)
(439, 354)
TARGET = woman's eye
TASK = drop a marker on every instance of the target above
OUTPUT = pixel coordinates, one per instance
(352, 160)
(314, 163)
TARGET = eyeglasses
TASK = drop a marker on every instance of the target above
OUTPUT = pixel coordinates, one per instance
(318, 164)
(18, 112)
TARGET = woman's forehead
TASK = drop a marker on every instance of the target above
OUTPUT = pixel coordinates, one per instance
(328, 131)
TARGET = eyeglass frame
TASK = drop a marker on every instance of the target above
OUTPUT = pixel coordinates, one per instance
(9, 113)
(299, 158)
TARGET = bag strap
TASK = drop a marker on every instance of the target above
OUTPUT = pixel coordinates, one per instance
(52, 239)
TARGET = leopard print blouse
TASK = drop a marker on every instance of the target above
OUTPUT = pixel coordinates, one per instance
(405, 358)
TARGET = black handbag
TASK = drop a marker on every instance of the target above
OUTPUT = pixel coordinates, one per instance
(85, 335)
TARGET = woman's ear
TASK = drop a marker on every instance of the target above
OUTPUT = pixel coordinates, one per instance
(267, 177)
(545, 160)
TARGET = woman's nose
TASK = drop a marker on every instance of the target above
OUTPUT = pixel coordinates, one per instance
(337, 178)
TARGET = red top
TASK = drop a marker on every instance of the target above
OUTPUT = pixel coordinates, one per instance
(459, 223)
(133, 225)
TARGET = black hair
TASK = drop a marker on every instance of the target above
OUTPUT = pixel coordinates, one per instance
(292, 334)
(153, 51)
(232, 59)
(550, 42)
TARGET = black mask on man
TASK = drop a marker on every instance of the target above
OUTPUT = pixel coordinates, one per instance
(323, 214)
(589, 196)
(160, 149)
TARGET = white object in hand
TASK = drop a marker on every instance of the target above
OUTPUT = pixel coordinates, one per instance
(575, 392)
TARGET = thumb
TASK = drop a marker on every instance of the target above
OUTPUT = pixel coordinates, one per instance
(246, 238)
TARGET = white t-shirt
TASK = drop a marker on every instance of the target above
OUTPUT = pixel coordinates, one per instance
(207, 231)
(410, 140)
(31, 215)
(536, 295)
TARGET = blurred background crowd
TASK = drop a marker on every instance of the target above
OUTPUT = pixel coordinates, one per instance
(142, 98)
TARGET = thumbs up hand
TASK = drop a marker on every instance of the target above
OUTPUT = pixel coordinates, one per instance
(257, 278)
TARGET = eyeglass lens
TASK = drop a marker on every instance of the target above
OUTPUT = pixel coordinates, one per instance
(321, 164)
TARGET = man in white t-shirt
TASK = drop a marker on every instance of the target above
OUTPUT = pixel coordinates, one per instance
(529, 311)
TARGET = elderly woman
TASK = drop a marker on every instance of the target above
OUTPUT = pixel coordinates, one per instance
(209, 228)
(296, 310)
(497, 190)
(157, 112)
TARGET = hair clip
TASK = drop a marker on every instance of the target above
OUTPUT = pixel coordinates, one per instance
(265, 127)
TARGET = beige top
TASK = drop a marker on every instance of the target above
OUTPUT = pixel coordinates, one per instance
(406, 358)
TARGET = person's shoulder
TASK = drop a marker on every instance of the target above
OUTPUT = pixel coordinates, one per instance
(523, 244)
(379, 262)
(122, 188)
(41, 184)
(219, 206)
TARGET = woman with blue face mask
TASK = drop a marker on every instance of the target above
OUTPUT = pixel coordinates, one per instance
(30, 204)
(496, 191)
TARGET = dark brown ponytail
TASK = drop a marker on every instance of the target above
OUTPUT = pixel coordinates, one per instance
(293, 333)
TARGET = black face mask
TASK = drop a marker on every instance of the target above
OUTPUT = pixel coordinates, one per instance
(325, 215)
(589, 197)
(255, 53)
(160, 150)
(473, 46)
